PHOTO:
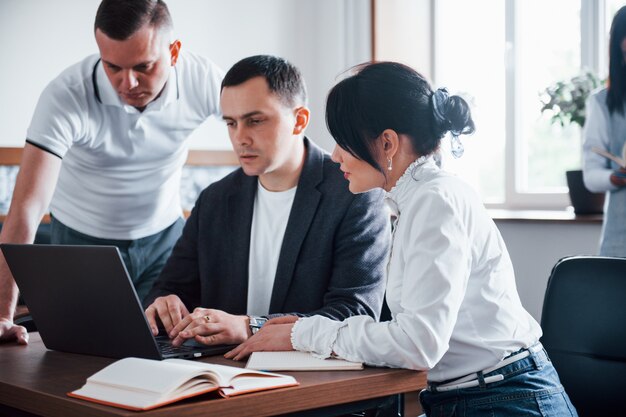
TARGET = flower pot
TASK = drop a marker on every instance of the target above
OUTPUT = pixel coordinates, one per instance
(583, 200)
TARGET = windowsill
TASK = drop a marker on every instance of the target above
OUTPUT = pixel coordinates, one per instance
(552, 216)
(498, 214)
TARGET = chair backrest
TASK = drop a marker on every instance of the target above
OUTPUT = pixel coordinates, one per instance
(584, 326)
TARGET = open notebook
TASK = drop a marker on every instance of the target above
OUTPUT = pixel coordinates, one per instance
(144, 384)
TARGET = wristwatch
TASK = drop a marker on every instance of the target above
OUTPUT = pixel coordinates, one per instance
(256, 322)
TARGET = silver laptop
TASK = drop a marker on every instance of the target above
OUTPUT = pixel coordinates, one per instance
(83, 301)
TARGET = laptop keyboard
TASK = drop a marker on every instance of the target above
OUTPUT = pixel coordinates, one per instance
(167, 348)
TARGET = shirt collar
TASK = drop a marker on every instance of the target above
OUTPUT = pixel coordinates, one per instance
(106, 94)
(419, 170)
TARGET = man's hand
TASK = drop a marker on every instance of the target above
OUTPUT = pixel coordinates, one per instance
(10, 331)
(211, 327)
(271, 337)
(170, 310)
(618, 177)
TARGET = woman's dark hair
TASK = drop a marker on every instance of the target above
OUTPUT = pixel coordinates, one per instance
(389, 95)
(283, 78)
(120, 19)
(617, 66)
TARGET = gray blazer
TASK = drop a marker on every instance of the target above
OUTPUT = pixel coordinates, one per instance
(332, 260)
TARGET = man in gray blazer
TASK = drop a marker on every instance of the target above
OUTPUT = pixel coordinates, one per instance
(281, 235)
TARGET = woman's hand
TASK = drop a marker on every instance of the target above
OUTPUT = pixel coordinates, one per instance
(618, 177)
(271, 337)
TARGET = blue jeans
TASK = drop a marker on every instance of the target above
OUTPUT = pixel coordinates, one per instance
(531, 387)
(144, 258)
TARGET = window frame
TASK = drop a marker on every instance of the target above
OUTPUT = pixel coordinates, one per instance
(593, 43)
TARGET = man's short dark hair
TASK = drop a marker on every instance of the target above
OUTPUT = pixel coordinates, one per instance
(120, 19)
(283, 78)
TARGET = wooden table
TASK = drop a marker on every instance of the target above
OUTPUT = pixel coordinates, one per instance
(35, 380)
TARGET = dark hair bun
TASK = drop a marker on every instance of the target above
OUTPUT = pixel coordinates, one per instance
(451, 113)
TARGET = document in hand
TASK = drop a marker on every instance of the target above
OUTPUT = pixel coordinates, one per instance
(298, 361)
(144, 384)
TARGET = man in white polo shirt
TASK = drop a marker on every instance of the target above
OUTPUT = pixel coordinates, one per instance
(106, 146)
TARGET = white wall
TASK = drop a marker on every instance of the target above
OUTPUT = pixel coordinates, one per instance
(399, 20)
(536, 246)
(40, 38)
(322, 37)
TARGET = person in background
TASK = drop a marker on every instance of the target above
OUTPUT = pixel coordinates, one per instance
(450, 284)
(106, 147)
(282, 234)
(605, 128)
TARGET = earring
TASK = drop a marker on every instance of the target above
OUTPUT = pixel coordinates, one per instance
(389, 164)
(456, 146)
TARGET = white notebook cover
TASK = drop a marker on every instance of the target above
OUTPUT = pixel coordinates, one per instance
(297, 361)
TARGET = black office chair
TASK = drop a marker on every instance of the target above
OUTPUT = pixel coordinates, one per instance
(584, 326)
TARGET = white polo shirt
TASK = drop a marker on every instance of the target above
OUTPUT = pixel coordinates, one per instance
(121, 169)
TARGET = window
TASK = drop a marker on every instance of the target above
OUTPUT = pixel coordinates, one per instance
(500, 55)
(611, 7)
(468, 55)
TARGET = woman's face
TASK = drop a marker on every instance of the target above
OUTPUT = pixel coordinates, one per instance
(361, 175)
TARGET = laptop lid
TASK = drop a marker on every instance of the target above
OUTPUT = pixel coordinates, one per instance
(83, 301)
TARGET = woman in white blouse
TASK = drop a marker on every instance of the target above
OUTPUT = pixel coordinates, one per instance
(451, 288)
(605, 128)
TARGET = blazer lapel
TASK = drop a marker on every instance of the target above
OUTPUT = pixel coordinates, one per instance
(303, 211)
(240, 209)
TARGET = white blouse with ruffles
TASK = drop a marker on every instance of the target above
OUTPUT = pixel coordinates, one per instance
(451, 288)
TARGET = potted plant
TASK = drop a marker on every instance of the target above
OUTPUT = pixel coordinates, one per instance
(565, 100)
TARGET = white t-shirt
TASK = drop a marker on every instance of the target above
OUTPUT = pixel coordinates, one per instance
(450, 288)
(269, 222)
(121, 169)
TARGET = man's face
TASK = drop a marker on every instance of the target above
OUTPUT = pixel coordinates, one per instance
(138, 67)
(261, 127)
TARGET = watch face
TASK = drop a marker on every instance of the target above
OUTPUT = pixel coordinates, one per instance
(256, 323)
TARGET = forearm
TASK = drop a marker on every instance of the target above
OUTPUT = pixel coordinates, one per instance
(395, 344)
(596, 173)
(8, 291)
(367, 302)
(16, 229)
(33, 191)
(596, 168)
(598, 181)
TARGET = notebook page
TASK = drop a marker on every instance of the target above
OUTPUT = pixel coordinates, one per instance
(138, 374)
